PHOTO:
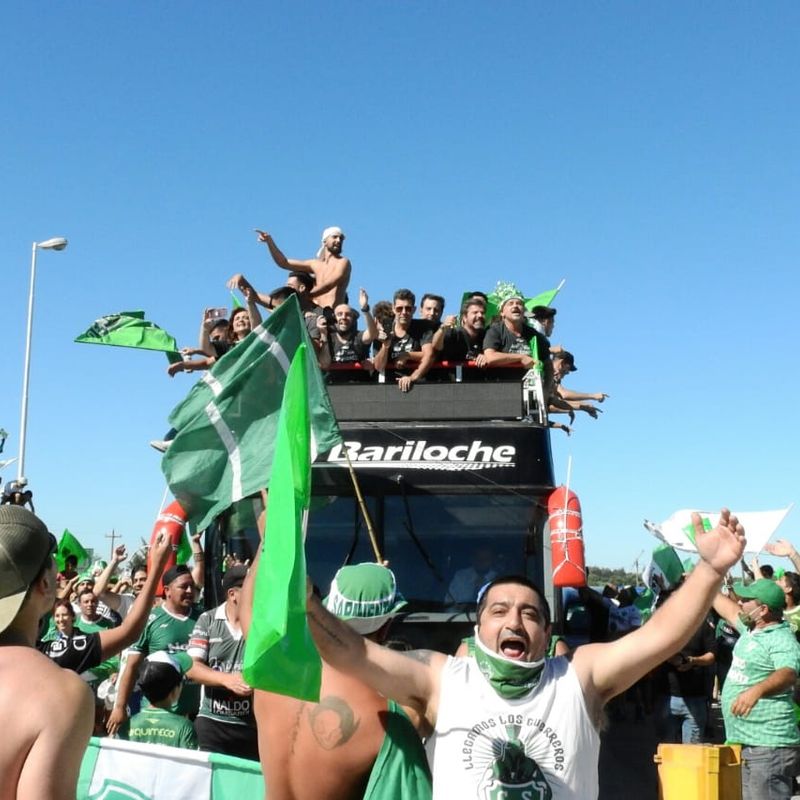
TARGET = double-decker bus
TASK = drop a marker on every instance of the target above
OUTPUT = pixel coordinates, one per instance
(454, 476)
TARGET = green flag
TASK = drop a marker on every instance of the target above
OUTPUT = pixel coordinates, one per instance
(237, 303)
(184, 552)
(68, 545)
(280, 655)
(543, 299)
(227, 424)
(665, 569)
(131, 329)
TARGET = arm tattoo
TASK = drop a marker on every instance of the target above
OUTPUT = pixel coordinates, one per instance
(332, 722)
(423, 656)
(329, 632)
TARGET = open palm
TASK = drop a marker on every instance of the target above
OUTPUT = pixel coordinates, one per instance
(723, 546)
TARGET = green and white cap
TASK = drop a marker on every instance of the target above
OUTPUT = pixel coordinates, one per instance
(25, 546)
(180, 661)
(365, 596)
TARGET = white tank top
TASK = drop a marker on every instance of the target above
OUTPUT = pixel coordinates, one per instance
(540, 747)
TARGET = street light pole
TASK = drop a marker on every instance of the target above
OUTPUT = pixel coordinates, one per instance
(59, 243)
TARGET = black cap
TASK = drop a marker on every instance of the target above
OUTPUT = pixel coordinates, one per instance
(234, 577)
(567, 357)
(543, 312)
(173, 573)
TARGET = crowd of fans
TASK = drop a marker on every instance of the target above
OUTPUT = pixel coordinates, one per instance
(164, 671)
(742, 663)
(386, 339)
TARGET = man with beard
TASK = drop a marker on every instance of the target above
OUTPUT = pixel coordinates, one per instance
(168, 628)
(463, 343)
(508, 701)
(512, 341)
(344, 343)
(757, 694)
(331, 270)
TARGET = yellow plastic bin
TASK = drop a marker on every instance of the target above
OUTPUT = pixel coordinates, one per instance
(699, 772)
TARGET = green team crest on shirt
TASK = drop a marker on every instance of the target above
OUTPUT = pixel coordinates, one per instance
(514, 775)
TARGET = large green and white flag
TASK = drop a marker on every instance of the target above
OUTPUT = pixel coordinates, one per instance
(116, 769)
(678, 531)
(280, 655)
(227, 425)
(131, 329)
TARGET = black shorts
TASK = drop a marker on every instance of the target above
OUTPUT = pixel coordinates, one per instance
(227, 738)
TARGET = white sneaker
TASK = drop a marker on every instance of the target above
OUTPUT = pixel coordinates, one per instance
(161, 445)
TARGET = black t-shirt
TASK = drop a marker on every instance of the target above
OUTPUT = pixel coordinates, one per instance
(419, 332)
(459, 347)
(692, 682)
(500, 338)
(79, 652)
(349, 349)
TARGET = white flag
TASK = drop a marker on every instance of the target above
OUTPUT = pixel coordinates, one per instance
(759, 526)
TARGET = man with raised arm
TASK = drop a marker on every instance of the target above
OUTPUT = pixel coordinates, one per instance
(507, 719)
(465, 342)
(344, 343)
(331, 270)
(757, 693)
(167, 628)
(47, 714)
(354, 744)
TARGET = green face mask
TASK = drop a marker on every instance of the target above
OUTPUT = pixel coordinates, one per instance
(510, 679)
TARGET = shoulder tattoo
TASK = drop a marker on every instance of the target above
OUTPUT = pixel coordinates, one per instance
(423, 656)
(332, 722)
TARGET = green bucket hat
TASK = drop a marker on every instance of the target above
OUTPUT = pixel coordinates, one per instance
(764, 590)
(365, 596)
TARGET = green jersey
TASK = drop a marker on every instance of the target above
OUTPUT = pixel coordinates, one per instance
(170, 632)
(756, 656)
(158, 726)
(215, 642)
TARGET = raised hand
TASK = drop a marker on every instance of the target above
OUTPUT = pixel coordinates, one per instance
(723, 546)
(780, 547)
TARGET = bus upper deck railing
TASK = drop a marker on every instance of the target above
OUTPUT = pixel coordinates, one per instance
(451, 390)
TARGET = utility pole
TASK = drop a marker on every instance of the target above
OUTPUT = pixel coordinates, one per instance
(113, 536)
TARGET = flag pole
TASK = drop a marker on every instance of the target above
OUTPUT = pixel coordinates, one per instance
(163, 501)
(364, 511)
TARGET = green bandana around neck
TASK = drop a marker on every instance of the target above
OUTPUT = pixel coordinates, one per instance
(510, 679)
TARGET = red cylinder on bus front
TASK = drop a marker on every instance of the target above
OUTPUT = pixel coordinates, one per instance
(566, 538)
(171, 520)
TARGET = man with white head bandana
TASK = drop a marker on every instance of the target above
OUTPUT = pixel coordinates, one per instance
(331, 270)
(509, 722)
(354, 743)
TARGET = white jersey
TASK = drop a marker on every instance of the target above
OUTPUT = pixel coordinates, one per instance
(540, 747)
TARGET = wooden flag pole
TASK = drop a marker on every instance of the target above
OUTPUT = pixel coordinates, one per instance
(364, 511)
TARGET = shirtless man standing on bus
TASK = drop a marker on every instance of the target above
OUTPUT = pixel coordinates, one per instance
(48, 712)
(331, 270)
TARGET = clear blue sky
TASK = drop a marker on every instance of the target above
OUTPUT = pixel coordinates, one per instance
(649, 154)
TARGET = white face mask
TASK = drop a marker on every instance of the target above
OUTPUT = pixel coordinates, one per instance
(750, 619)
